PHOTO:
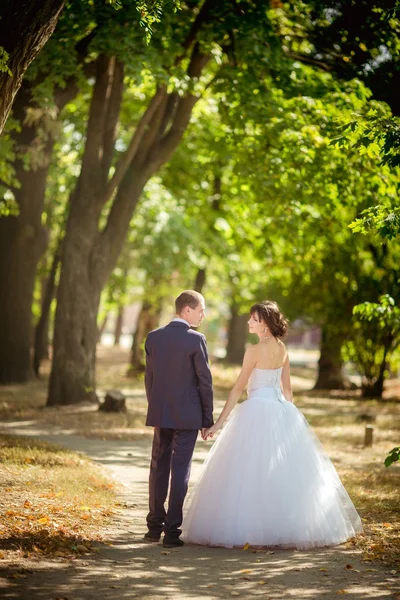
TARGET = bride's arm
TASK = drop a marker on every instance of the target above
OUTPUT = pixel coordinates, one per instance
(285, 380)
(249, 362)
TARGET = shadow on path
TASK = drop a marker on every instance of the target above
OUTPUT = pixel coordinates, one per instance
(130, 568)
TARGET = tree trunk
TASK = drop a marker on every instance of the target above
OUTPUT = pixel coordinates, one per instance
(103, 326)
(21, 245)
(200, 280)
(148, 320)
(25, 26)
(75, 329)
(237, 333)
(22, 242)
(42, 329)
(373, 389)
(23, 238)
(330, 364)
(118, 325)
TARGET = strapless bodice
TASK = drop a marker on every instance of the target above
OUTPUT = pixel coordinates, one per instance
(261, 378)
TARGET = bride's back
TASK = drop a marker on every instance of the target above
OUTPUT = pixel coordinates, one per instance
(270, 354)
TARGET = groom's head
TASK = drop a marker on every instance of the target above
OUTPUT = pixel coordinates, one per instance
(190, 305)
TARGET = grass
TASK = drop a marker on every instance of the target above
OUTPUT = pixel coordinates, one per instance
(54, 501)
(338, 419)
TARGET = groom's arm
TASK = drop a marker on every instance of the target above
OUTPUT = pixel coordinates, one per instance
(204, 378)
(148, 375)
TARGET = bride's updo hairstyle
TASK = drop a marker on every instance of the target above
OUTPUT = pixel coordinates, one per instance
(269, 312)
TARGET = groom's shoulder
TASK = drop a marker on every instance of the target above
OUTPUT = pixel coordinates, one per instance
(156, 332)
(196, 335)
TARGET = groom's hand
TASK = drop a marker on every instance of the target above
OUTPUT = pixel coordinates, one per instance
(203, 433)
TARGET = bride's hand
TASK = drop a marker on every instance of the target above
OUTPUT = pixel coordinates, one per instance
(212, 430)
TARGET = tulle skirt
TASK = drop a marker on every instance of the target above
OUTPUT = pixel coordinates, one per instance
(267, 482)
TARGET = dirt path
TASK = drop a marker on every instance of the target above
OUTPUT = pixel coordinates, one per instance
(129, 568)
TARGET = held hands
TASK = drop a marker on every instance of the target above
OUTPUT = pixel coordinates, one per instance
(209, 433)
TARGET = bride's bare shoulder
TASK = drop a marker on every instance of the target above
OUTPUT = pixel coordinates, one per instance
(252, 351)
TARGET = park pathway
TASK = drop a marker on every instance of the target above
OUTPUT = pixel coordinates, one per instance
(129, 568)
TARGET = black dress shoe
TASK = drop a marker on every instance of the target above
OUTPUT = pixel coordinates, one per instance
(172, 542)
(151, 537)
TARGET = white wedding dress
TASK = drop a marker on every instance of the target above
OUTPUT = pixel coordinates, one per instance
(267, 481)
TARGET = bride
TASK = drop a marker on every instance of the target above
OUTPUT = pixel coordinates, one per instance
(267, 481)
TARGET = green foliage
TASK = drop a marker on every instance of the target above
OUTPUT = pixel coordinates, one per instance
(4, 57)
(393, 456)
(383, 220)
(385, 313)
(376, 336)
(151, 12)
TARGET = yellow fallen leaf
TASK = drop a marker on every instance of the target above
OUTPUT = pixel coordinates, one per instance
(43, 520)
(1, 555)
(262, 582)
(322, 569)
(246, 547)
(245, 571)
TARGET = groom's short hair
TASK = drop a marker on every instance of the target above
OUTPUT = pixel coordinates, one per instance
(189, 298)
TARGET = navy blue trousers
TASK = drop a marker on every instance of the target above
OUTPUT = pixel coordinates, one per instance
(170, 465)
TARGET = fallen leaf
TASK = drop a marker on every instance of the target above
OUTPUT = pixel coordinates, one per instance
(165, 552)
(43, 520)
(342, 592)
(322, 569)
(348, 566)
(262, 582)
(235, 594)
(245, 571)
(246, 547)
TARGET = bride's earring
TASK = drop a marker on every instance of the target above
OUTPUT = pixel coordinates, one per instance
(266, 337)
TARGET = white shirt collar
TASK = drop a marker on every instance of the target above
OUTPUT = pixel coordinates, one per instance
(181, 321)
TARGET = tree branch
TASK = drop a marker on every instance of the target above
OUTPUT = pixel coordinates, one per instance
(93, 153)
(128, 156)
(112, 117)
(200, 19)
(308, 60)
(162, 151)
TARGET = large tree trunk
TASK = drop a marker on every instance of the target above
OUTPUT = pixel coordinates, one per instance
(90, 254)
(25, 26)
(75, 333)
(22, 242)
(330, 364)
(237, 333)
(21, 245)
(23, 239)
(148, 320)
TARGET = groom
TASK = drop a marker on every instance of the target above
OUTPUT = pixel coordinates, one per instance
(180, 402)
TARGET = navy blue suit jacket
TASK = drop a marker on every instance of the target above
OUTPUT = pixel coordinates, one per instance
(178, 378)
